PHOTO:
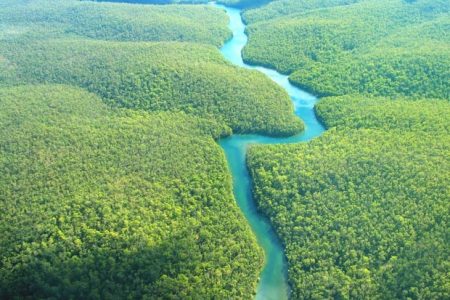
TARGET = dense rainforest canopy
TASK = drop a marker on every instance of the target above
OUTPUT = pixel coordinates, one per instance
(387, 48)
(363, 211)
(112, 184)
(233, 3)
(280, 8)
(101, 203)
(185, 77)
(190, 77)
(111, 21)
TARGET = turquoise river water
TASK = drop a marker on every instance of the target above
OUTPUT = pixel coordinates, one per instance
(273, 282)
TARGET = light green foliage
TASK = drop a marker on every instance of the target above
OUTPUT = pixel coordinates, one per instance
(124, 22)
(363, 210)
(385, 114)
(158, 77)
(281, 8)
(388, 48)
(101, 203)
(150, 76)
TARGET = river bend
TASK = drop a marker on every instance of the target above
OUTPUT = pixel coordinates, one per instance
(273, 282)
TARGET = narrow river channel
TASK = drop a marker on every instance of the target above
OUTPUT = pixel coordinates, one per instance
(273, 279)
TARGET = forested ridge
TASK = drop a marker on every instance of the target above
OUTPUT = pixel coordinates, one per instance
(112, 184)
(280, 8)
(387, 48)
(363, 211)
(357, 112)
(48, 42)
(157, 77)
(112, 21)
(101, 203)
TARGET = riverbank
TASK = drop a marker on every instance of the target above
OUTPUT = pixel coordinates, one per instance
(273, 282)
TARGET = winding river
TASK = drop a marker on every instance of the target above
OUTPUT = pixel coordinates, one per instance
(273, 282)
